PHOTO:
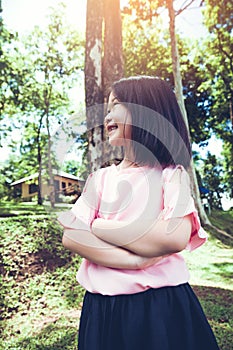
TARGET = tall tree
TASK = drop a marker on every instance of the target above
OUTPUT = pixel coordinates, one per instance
(144, 43)
(147, 10)
(103, 65)
(93, 82)
(180, 98)
(50, 61)
(112, 55)
(212, 180)
(217, 67)
(112, 63)
(11, 78)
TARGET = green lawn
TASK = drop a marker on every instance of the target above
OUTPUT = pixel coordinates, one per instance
(41, 301)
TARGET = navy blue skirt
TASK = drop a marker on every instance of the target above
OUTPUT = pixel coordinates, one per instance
(168, 318)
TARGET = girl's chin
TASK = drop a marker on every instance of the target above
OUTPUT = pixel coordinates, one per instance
(119, 141)
(115, 142)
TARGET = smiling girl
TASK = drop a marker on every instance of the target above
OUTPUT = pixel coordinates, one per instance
(130, 224)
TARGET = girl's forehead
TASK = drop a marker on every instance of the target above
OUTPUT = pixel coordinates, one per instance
(112, 98)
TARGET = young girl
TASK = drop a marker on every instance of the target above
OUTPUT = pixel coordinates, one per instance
(130, 224)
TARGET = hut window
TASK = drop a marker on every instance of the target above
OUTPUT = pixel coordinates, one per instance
(33, 188)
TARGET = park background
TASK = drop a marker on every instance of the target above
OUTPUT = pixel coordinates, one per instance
(45, 66)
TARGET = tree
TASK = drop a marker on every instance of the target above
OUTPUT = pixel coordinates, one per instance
(197, 103)
(112, 55)
(147, 10)
(51, 61)
(22, 160)
(144, 43)
(180, 98)
(103, 65)
(217, 67)
(93, 82)
(212, 180)
(228, 168)
(11, 77)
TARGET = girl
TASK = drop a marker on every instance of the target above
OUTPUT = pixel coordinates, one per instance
(130, 224)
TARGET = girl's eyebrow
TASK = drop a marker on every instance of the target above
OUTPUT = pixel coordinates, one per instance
(115, 98)
(110, 104)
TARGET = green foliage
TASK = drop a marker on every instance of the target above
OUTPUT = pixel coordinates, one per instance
(55, 57)
(212, 179)
(47, 64)
(74, 167)
(215, 59)
(145, 42)
(144, 10)
(10, 79)
(217, 65)
(228, 167)
(197, 102)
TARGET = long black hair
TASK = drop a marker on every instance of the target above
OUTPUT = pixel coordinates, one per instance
(159, 133)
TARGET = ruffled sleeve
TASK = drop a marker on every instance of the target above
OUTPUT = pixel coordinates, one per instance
(178, 202)
(86, 207)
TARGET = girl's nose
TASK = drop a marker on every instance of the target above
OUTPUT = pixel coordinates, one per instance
(107, 119)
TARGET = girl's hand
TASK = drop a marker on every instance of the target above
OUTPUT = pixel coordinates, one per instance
(101, 253)
(143, 262)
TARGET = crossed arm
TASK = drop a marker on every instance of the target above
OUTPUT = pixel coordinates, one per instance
(148, 239)
(119, 244)
(87, 245)
(131, 245)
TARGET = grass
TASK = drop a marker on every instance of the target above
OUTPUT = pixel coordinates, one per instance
(211, 270)
(12, 209)
(41, 301)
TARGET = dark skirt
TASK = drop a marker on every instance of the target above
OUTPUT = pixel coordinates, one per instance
(168, 318)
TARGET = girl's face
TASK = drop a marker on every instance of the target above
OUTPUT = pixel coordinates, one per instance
(118, 122)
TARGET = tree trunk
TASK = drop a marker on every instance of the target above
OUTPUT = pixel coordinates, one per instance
(93, 83)
(113, 56)
(112, 66)
(52, 194)
(103, 65)
(179, 95)
(39, 196)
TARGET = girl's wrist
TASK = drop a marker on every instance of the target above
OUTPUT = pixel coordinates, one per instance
(94, 225)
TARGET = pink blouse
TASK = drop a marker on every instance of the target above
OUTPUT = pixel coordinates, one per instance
(130, 194)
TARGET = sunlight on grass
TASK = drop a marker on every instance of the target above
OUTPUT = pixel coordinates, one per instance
(211, 265)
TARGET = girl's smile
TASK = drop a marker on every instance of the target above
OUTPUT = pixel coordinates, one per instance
(111, 127)
(117, 122)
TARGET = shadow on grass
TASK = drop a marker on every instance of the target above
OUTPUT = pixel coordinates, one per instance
(223, 297)
(223, 236)
(222, 228)
(52, 337)
(218, 307)
(9, 209)
(223, 270)
(14, 209)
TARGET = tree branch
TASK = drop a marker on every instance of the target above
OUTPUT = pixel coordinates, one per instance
(185, 7)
